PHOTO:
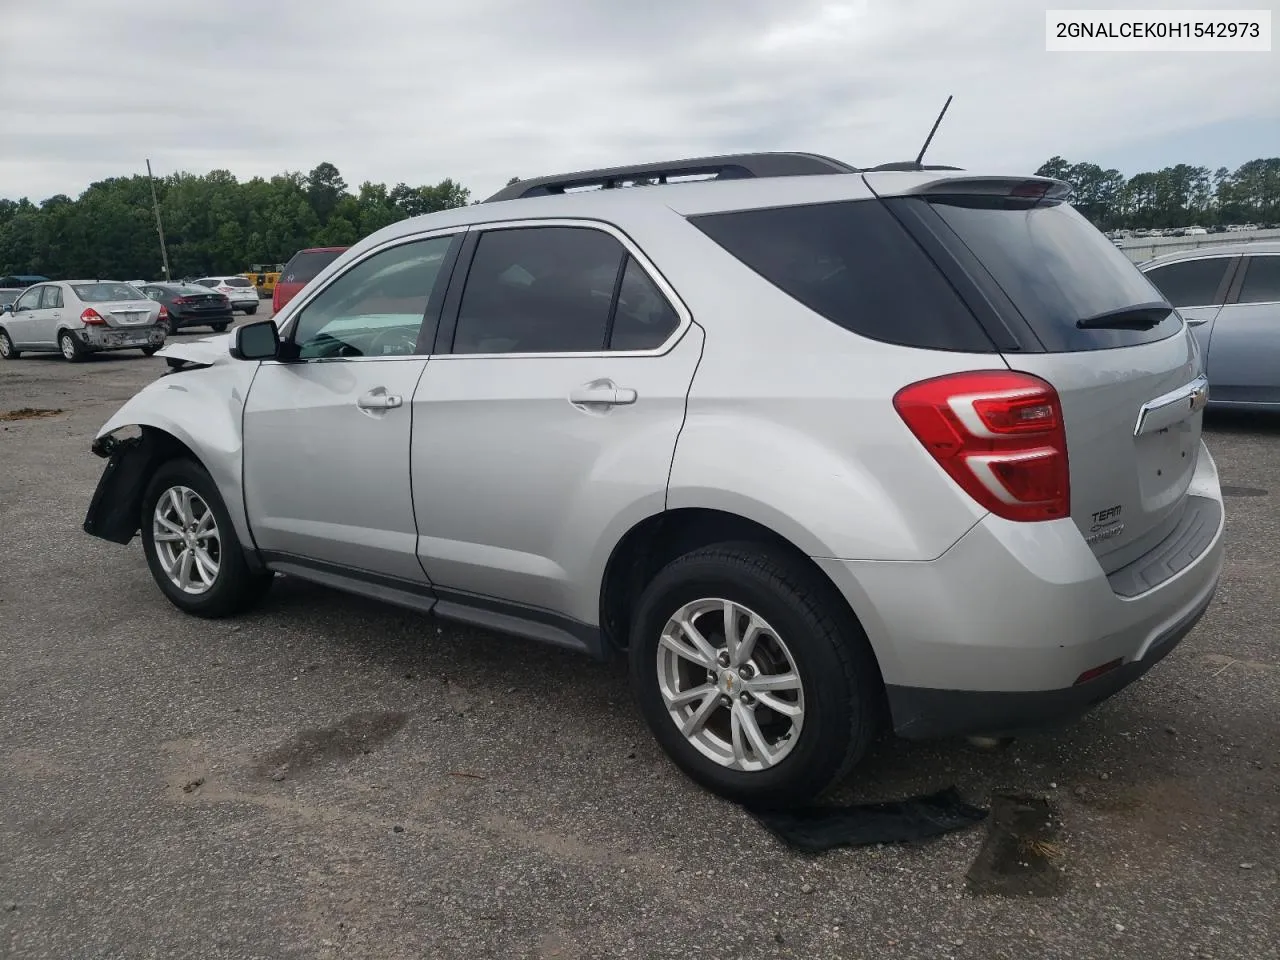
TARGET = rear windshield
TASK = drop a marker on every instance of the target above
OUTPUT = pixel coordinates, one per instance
(304, 266)
(236, 282)
(106, 292)
(853, 263)
(1056, 268)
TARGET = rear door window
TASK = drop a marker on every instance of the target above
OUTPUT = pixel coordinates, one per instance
(52, 299)
(1191, 283)
(1261, 280)
(539, 290)
(854, 264)
(1056, 268)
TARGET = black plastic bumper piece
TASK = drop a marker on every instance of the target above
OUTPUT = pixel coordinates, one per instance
(921, 713)
(115, 511)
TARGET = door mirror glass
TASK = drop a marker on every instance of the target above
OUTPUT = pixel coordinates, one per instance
(256, 341)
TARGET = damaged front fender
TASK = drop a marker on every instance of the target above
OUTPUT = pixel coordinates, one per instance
(116, 508)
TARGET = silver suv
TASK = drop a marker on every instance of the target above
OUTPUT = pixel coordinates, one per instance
(816, 447)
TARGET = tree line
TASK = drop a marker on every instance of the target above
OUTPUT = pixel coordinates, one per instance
(218, 224)
(212, 223)
(1179, 196)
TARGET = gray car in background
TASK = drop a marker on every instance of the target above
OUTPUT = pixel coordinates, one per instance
(1230, 297)
(814, 447)
(80, 317)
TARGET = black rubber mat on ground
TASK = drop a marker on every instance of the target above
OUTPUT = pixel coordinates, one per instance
(819, 828)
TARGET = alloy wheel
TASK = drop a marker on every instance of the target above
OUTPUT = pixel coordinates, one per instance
(187, 541)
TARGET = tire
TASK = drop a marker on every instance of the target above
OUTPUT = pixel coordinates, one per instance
(172, 326)
(218, 327)
(7, 350)
(841, 689)
(71, 348)
(233, 587)
(151, 351)
(251, 310)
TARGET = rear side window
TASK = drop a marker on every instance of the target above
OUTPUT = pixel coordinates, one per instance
(1056, 268)
(1261, 281)
(853, 263)
(1191, 283)
(539, 290)
(643, 318)
(306, 265)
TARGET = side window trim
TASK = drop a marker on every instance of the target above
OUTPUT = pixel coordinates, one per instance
(449, 321)
(298, 305)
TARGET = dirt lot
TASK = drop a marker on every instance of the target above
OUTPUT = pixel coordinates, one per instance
(329, 778)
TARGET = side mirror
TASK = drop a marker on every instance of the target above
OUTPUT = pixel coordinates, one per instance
(256, 341)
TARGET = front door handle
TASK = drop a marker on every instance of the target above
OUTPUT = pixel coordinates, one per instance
(602, 392)
(379, 399)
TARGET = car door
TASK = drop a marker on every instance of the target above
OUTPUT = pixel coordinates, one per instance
(22, 322)
(49, 315)
(547, 418)
(1246, 337)
(326, 434)
(1198, 287)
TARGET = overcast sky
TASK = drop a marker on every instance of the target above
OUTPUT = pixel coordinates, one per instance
(482, 90)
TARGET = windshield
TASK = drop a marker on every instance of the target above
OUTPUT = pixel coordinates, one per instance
(106, 292)
(1057, 268)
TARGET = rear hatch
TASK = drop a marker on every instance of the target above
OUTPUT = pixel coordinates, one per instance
(1076, 312)
(118, 304)
(301, 270)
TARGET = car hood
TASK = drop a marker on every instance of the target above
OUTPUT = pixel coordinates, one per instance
(207, 351)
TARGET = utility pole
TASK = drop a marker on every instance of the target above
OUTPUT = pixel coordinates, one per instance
(164, 252)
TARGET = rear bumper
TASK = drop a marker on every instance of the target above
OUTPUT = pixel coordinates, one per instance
(202, 319)
(993, 636)
(121, 338)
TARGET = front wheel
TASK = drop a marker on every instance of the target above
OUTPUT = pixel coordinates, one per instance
(752, 676)
(7, 350)
(192, 547)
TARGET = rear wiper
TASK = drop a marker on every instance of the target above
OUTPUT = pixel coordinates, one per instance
(1141, 316)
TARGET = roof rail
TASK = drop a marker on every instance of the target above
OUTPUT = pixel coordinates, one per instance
(740, 166)
(908, 165)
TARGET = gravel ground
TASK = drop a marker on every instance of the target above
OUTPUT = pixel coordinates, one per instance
(330, 778)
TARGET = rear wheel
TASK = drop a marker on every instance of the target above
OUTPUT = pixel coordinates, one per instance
(218, 327)
(7, 350)
(192, 547)
(172, 326)
(151, 351)
(251, 309)
(752, 676)
(70, 347)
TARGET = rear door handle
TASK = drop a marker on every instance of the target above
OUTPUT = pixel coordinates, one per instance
(379, 399)
(602, 392)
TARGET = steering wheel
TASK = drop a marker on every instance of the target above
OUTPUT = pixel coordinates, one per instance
(401, 340)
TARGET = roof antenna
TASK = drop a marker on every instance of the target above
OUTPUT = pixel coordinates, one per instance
(929, 139)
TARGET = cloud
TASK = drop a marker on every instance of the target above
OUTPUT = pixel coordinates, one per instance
(392, 90)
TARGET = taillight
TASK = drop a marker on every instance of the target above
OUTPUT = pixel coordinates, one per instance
(275, 298)
(164, 313)
(181, 301)
(92, 318)
(999, 435)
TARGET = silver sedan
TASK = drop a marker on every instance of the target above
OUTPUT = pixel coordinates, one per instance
(80, 317)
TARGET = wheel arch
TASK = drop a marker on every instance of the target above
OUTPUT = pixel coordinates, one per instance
(661, 537)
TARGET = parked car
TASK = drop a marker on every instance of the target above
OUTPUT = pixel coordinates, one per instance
(814, 447)
(1229, 295)
(12, 286)
(299, 271)
(240, 291)
(189, 305)
(80, 317)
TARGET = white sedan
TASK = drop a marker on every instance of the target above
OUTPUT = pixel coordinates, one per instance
(239, 290)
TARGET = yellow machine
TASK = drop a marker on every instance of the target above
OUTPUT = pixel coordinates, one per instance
(264, 276)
